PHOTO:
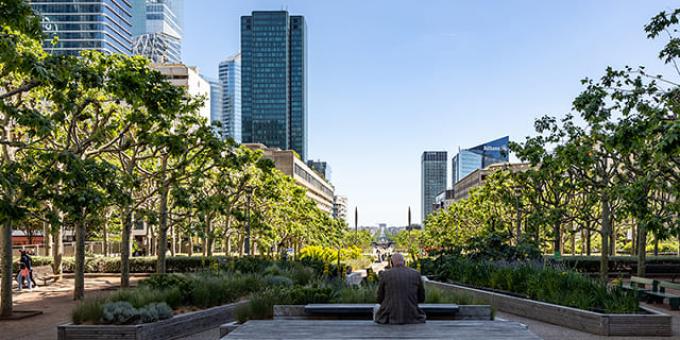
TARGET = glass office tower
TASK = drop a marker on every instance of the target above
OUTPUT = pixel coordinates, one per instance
(230, 79)
(157, 30)
(432, 179)
(274, 80)
(101, 25)
(479, 157)
(215, 105)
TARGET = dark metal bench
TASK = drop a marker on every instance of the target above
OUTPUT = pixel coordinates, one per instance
(641, 286)
(366, 310)
(660, 295)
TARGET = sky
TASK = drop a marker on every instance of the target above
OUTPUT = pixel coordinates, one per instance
(388, 80)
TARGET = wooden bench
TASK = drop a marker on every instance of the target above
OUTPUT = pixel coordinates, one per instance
(660, 295)
(641, 286)
(366, 310)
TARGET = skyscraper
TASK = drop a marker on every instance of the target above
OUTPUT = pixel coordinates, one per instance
(274, 80)
(432, 179)
(157, 30)
(101, 25)
(230, 79)
(479, 157)
(216, 93)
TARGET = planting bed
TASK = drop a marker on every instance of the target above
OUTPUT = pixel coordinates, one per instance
(646, 323)
(173, 328)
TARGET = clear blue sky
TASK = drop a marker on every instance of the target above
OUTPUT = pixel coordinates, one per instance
(390, 79)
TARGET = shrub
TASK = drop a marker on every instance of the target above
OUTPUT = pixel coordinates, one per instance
(276, 280)
(89, 310)
(534, 281)
(119, 313)
(357, 294)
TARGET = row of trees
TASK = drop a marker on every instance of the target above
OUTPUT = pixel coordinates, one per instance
(98, 143)
(611, 166)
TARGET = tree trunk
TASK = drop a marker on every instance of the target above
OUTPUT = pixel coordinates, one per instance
(642, 249)
(7, 272)
(557, 249)
(605, 231)
(573, 239)
(58, 250)
(208, 236)
(79, 270)
(633, 240)
(612, 241)
(172, 241)
(105, 234)
(125, 249)
(191, 246)
(163, 215)
(656, 245)
(47, 241)
(588, 245)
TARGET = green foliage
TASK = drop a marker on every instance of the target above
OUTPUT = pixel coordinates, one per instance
(89, 310)
(123, 313)
(533, 281)
(357, 294)
(154, 294)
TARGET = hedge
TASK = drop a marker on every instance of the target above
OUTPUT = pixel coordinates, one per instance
(176, 264)
(591, 264)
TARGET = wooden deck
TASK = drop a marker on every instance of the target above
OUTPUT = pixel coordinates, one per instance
(360, 329)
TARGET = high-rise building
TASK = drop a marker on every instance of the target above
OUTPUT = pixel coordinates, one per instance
(274, 80)
(432, 179)
(230, 79)
(157, 30)
(340, 207)
(321, 167)
(101, 25)
(216, 105)
(479, 157)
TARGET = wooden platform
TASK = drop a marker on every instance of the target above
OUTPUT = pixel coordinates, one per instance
(360, 329)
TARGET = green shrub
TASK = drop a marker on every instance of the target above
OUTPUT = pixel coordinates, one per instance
(357, 294)
(119, 313)
(276, 281)
(534, 281)
(89, 310)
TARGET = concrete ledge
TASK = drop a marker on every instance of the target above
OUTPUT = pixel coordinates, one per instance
(297, 312)
(653, 323)
(175, 327)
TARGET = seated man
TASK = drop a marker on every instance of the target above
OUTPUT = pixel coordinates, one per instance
(399, 293)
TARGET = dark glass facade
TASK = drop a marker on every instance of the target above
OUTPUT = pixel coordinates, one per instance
(274, 80)
(102, 25)
(433, 179)
(479, 157)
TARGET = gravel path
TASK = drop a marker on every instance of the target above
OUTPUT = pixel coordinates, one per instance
(56, 303)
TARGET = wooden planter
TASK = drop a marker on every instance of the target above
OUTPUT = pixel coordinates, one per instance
(653, 323)
(175, 327)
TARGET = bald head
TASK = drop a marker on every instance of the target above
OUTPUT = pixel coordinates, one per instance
(398, 260)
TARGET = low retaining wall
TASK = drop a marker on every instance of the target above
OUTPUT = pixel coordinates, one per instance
(652, 324)
(297, 312)
(176, 327)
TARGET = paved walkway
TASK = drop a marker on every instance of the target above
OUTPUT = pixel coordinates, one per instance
(56, 303)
